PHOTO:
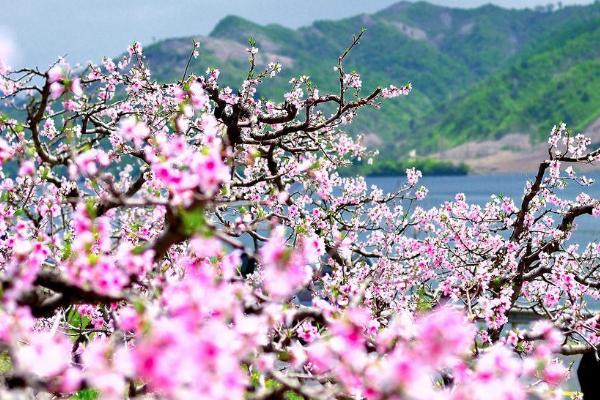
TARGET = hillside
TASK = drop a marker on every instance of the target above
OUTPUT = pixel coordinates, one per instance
(557, 80)
(477, 73)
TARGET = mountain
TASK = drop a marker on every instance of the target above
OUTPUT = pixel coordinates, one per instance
(478, 74)
(556, 80)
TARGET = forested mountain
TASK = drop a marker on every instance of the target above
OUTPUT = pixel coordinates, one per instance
(477, 73)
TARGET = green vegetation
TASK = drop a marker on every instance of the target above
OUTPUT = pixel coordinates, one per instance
(5, 363)
(541, 87)
(86, 394)
(477, 73)
(389, 167)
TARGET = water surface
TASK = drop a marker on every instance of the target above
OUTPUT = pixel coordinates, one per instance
(479, 188)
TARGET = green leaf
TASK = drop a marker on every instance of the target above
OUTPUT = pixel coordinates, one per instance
(139, 306)
(255, 379)
(5, 363)
(93, 258)
(138, 250)
(77, 320)
(300, 230)
(194, 221)
(86, 394)
(135, 226)
(44, 172)
(423, 301)
(90, 206)
(66, 250)
(315, 165)
(272, 384)
(292, 396)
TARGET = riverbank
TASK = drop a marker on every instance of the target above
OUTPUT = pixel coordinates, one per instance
(391, 168)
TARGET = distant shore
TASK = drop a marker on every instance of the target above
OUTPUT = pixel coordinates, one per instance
(388, 168)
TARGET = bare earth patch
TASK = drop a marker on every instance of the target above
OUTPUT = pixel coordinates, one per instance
(511, 153)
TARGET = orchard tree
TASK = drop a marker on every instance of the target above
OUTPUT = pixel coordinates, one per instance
(156, 239)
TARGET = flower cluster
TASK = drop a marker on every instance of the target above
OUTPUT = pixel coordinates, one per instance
(189, 240)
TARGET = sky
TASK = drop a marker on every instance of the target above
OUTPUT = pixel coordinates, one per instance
(36, 32)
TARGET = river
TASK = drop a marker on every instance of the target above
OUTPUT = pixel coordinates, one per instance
(479, 188)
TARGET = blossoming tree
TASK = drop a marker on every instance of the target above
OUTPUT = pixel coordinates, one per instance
(156, 237)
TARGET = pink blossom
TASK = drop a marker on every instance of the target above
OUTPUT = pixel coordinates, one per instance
(134, 130)
(307, 332)
(91, 161)
(56, 90)
(393, 91)
(444, 334)
(57, 73)
(313, 247)
(71, 380)
(555, 169)
(5, 151)
(27, 168)
(45, 354)
(100, 371)
(413, 175)
(353, 80)
(197, 96)
(128, 319)
(76, 87)
(555, 373)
